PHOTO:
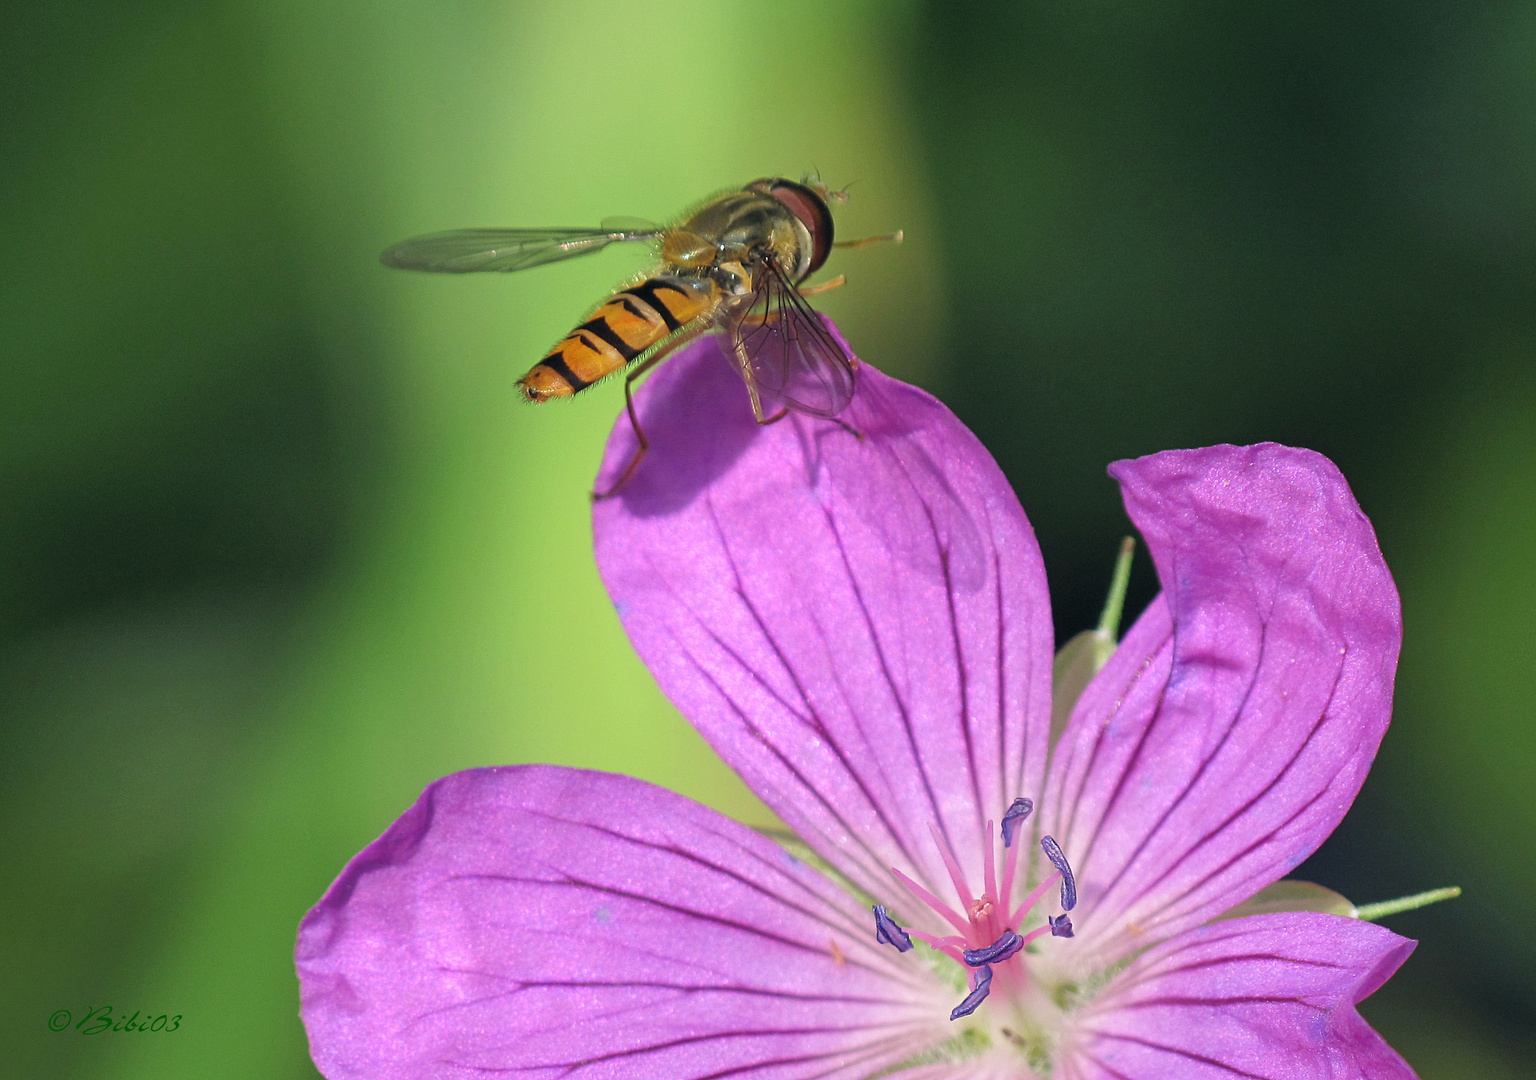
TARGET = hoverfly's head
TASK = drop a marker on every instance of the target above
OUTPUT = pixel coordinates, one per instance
(808, 202)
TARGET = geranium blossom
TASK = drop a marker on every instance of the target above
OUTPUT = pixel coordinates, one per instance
(861, 628)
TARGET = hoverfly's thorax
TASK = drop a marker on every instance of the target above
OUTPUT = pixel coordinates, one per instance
(744, 226)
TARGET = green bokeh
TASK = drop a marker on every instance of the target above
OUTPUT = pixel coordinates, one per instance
(279, 546)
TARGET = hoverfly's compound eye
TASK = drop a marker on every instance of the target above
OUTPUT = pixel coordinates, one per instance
(810, 208)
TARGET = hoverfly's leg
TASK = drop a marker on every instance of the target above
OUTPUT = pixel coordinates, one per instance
(644, 444)
(772, 316)
(753, 394)
(764, 421)
(888, 238)
(849, 428)
(782, 413)
(826, 286)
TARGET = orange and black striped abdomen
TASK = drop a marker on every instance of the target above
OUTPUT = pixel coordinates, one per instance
(626, 325)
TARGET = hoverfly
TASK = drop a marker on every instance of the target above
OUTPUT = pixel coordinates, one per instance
(736, 263)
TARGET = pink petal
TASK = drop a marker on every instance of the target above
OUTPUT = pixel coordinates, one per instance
(549, 923)
(1270, 997)
(860, 626)
(1231, 730)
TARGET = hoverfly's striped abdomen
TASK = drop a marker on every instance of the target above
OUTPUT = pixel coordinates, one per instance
(626, 325)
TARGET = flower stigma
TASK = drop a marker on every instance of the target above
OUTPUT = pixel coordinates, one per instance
(988, 944)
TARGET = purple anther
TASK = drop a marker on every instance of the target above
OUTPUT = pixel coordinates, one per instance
(1061, 926)
(1059, 861)
(995, 953)
(1013, 817)
(888, 933)
(980, 989)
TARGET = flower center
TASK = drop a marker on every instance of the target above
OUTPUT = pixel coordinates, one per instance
(987, 934)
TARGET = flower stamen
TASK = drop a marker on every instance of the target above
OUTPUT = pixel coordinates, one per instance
(1000, 950)
(1014, 816)
(1059, 861)
(979, 991)
(952, 864)
(1038, 932)
(986, 935)
(1028, 903)
(888, 933)
(932, 901)
(952, 947)
(989, 878)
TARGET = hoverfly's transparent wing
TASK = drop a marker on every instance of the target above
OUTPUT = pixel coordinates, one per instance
(788, 353)
(622, 224)
(466, 251)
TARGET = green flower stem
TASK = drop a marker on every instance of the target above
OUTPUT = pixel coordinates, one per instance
(1109, 622)
(1372, 912)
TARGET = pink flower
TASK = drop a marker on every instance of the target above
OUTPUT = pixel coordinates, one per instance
(861, 628)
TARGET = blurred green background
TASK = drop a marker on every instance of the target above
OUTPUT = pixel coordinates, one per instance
(278, 545)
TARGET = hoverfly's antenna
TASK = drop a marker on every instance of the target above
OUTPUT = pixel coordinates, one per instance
(814, 181)
(889, 238)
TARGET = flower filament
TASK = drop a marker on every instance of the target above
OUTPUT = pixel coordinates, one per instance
(986, 934)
